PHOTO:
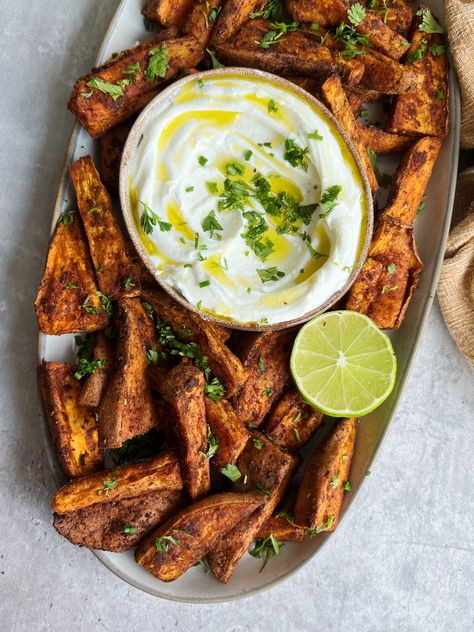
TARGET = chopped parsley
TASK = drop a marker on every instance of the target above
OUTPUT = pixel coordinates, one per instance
(273, 10)
(210, 224)
(437, 49)
(108, 484)
(148, 24)
(329, 199)
(356, 14)
(383, 179)
(132, 71)
(234, 169)
(87, 367)
(212, 444)
(231, 471)
(270, 274)
(128, 282)
(157, 63)
(266, 549)
(212, 187)
(272, 106)
(263, 489)
(315, 136)
(66, 217)
(149, 219)
(162, 544)
(114, 90)
(107, 304)
(128, 529)
(347, 486)
(189, 189)
(295, 154)
(258, 443)
(428, 23)
(215, 62)
(261, 364)
(268, 392)
(214, 389)
(205, 283)
(440, 95)
(418, 53)
(153, 356)
(391, 268)
(85, 345)
(202, 160)
(334, 484)
(71, 286)
(325, 526)
(90, 309)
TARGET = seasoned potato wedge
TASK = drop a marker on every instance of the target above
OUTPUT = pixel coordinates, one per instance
(167, 12)
(397, 14)
(266, 359)
(232, 17)
(95, 383)
(263, 466)
(67, 300)
(73, 428)
(99, 102)
(114, 509)
(183, 391)
(292, 421)
(111, 147)
(200, 22)
(126, 409)
(322, 12)
(281, 529)
(321, 492)
(210, 338)
(228, 429)
(336, 99)
(174, 547)
(424, 112)
(114, 268)
(381, 36)
(386, 75)
(382, 142)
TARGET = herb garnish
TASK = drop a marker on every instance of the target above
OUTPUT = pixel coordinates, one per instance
(114, 90)
(325, 526)
(231, 471)
(258, 443)
(210, 224)
(162, 544)
(215, 62)
(128, 529)
(66, 217)
(272, 106)
(212, 444)
(428, 23)
(356, 14)
(266, 548)
(391, 268)
(203, 160)
(109, 483)
(383, 179)
(270, 274)
(329, 199)
(295, 154)
(347, 35)
(87, 367)
(149, 219)
(157, 63)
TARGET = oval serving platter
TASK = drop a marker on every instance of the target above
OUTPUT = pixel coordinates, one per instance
(432, 229)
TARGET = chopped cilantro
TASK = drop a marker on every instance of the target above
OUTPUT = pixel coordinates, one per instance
(428, 23)
(270, 274)
(231, 471)
(157, 63)
(356, 14)
(87, 367)
(266, 549)
(295, 154)
(272, 106)
(202, 160)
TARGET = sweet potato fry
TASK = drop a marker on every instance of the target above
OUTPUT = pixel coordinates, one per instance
(210, 337)
(126, 409)
(114, 92)
(321, 492)
(381, 36)
(174, 547)
(95, 383)
(292, 421)
(382, 142)
(114, 268)
(281, 529)
(233, 16)
(111, 147)
(322, 12)
(424, 112)
(335, 98)
(266, 360)
(167, 12)
(183, 391)
(263, 466)
(397, 14)
(200, 22)
(228, 429)
(386, 75)
(113, 509)
(67, 300)
(73, 428)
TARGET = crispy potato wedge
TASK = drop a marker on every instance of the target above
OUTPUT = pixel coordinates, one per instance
(266, 360)
(292, 422)
(366, 95)
(336, 99)
(281, 529)
(382, 142)
(177, 545)
(386, 75)
(114, 509)
(322, 12)
(114, 268)
(233, 16)
(167, 12)
(126, 409)
(99, 111)
(321, 492)
(263, 466)
(295, 53)
(73, 428)
(67, 300)
(397, 14)
(228, 429)
(183, 391)
(306, 83)
(95, 383)
(426, 111)
(210, 337)
(201, 20)
(111, 147)
(381, 36)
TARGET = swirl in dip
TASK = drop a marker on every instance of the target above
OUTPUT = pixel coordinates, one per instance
(247, 200)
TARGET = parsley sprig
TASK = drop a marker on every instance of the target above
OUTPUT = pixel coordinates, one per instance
(157, 63)
(150, 219)
(266, 549)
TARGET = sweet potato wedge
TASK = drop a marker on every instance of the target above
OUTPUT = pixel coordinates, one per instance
(100, 102)
(382, 142)
(424, 112)
(183, 391)
(266, 360)
(396, 14)
(73, 428)
(67, 300)
(200, 21)
(335, 98)
(210, 338)
(321, 492)
(233, 16)
(381, 36)
(113, 509)
(386, 75)
(95, 383)
(177, 545)
(111, 147)
(114, 268)
(322, 12)
(292, 422)
(167, 12)
(126, 409)
(281, 529)
(228, 429)
(263, 466)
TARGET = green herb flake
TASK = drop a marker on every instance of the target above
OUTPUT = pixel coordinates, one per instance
(428, 23)
(334, 484)
(214, 390)
(66, 217)
(248, 154)
(356, 14)
(71, 286)
(272, 106)
(108, 484)
(153, 356)
(205, 283)
(391, 268)
(258, 443)
(231, 471)
(128, 529)
(329, 200)
(266, 549)
(294, 154)
(128, 282)
(440, 95)
(437, 49)
(347, 486)
(87, 367)
(107, 304)
(162, 544)
(234, 169)
(261, 364)
(212, 444)
(315, 135)
(157, 63)
(212, 187)
(189, 189)
(270, 274)
(383, 179)
(325, 526)
(215, 62)
(113, 90)
(202, 160)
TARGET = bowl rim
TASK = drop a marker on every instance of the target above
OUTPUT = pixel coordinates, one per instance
(132, 142)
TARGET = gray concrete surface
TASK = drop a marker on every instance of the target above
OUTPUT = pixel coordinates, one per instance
(403, 558)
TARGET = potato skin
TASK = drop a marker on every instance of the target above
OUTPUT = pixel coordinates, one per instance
(68, 283)
(322, 12)
(228, 429)
(111, 146)
(73, 428)
(382, 142)
(317, 498)
(381, 36)
(199, 23)
(167, 12)
(233, 16)
(292, 421)
(281, 529)
(195, 530)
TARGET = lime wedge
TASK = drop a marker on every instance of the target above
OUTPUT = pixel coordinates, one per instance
(343, 364)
